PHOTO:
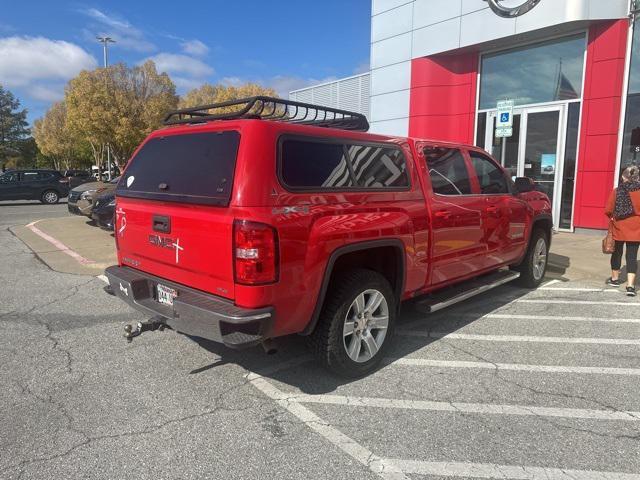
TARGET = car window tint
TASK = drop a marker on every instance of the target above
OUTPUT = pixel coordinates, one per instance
(190, 167)
(45, 175)
(307, 164)
(9, 178)
(323, 165)
(448, 171)
(490, 177)
(30, 176)
(378, 167)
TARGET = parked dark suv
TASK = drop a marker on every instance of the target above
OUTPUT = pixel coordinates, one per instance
(48, 186)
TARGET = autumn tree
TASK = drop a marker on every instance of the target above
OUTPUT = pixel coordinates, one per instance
(56, 140)
(207, 94)
(118, 106)
(13, 126)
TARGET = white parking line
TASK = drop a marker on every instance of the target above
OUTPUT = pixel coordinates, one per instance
(103, 278)
(558, 318)
(518, 367)
(349, 446)
(519, 338)
(396, 469)
(630, 303)
(569, 289)
(461, 407)
(492, 470)
(511, 316)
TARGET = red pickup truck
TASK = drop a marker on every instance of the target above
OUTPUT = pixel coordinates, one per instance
(249, 220)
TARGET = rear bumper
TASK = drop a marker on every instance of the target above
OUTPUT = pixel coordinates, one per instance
(193, 312)
(79, 207)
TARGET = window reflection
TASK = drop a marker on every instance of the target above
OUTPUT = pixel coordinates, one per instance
(534, 74)
(631, 138)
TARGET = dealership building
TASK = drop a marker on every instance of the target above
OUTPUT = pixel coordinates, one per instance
(570, 68)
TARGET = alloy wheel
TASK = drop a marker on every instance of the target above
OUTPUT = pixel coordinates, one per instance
(365, 326)
(539, 258)
(51, 197)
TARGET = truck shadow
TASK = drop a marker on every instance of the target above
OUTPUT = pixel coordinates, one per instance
(309, 377)
(558, 265)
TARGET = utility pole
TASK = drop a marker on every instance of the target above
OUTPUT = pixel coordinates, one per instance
(105, 41)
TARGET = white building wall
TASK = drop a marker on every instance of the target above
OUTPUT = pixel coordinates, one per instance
(402, 30)
(351, 93)
(391, 38)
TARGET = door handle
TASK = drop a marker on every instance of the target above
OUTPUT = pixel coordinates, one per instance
(442, 214)
(493, 210)
(161, 224)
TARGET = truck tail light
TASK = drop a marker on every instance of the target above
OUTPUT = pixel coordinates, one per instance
(255, 252)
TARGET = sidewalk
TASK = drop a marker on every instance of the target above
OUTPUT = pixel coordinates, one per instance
(69, 245)
(578, 257)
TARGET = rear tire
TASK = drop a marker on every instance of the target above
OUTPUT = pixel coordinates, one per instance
(50, 197)
(356, 324)
(534, 266)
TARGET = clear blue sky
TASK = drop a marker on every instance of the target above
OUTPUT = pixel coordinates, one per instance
(285, 44)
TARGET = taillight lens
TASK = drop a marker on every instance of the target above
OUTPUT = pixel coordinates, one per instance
(255, 250)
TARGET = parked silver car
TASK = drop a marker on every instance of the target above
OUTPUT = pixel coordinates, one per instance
(82, 198)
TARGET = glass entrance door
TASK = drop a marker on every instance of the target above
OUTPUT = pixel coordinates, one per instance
(534, 150)
(541, 152)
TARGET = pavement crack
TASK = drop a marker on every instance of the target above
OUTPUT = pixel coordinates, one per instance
(557, 424)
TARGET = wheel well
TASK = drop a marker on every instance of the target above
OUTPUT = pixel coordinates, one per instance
(544, 224)
(387, 261)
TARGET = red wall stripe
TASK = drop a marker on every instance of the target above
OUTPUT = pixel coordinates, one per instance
(604, 80)
(443, 97)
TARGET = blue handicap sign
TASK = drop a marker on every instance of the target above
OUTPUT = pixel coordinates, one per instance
(504, 117)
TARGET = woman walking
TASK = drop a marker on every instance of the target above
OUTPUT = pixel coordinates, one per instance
(623, 208)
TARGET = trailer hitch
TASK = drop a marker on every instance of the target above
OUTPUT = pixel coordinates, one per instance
(154, 323)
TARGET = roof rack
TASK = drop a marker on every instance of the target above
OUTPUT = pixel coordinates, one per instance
(270, 108)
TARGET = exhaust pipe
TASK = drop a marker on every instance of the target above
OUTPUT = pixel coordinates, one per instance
(270, 347)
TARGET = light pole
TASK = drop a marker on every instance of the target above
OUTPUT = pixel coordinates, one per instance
(106, 40)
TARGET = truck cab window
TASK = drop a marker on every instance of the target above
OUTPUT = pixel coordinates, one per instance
(447, 170)
(490, 177)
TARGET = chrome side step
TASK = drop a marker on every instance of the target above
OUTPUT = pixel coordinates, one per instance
(464, 291)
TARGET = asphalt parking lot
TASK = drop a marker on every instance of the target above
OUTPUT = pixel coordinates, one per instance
(514, 384)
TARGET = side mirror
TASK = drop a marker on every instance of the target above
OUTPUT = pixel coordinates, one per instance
(524, 185)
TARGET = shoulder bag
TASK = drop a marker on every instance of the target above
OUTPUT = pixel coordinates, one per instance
(608, 243)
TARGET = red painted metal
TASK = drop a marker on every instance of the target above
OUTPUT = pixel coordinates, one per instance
(439, 250)
(443, 97)
(603, 91)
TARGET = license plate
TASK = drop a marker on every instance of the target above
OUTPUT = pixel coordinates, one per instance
(166, 294)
